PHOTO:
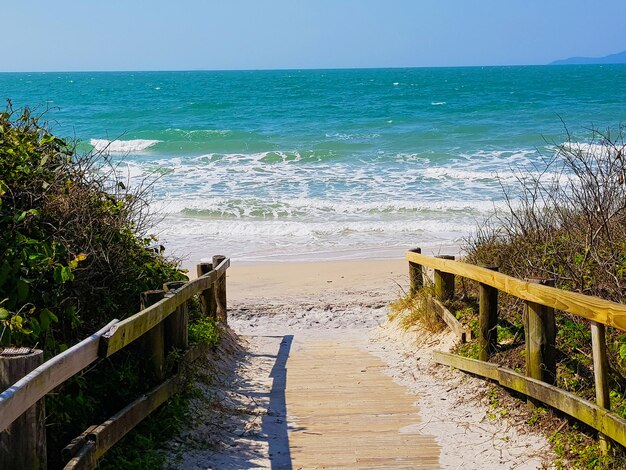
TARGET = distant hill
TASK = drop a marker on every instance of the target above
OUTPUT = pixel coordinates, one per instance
(619, 58)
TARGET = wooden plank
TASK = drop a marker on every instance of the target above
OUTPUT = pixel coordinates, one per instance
(116, 427)
(343, 411)
(26, 392)
(73, 448)
(220, 293)
(23, 443)
(488, 319)
(444, 281)
(593, 308)
(540, 330)
(589, 413)
(455, 325)
(85, 459)
(208, 303)
(153, 345)
(416, 279)
(474, 366)
(128, 330)
(177, 324)
(600, 373)
(102, 437)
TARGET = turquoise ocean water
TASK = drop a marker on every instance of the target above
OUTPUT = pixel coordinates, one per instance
(278, 165)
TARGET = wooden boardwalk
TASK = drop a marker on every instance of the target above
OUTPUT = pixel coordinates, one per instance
(344, 412)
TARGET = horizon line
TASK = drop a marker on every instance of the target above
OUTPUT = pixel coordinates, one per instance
(281, 69)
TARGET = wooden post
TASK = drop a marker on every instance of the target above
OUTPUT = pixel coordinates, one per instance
(177, 324)
(600, 372)
(208, 303)
(220, 292)
(540, 329)
(416, 280)
(23, 443)
(444, 282)
(488, 319)
(155, 338)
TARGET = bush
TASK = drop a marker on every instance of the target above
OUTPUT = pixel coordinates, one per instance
(74, 243)
(568, 224)
(75, 255)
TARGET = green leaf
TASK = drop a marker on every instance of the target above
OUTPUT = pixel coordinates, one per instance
(47, 139)
(67, 274)
(46, 317)
(35, 326)
(22, 290)
(4, 314)
(5, 269)
(62, 274)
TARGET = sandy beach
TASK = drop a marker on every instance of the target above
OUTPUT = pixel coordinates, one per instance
(346, 302)
(300, 281)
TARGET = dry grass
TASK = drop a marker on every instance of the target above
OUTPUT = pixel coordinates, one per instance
(412, 310)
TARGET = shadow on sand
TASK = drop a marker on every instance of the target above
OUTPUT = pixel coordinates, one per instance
(274, 424)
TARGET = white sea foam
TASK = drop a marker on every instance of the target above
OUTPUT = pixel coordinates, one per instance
(122, 146)
(193, 132)
(289, 199)
(438, 103)
(591, 149)
(310, 208)
(310, 231)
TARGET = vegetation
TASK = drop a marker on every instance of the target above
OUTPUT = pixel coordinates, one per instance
(76, 254)
(569, 225)
(412, 310)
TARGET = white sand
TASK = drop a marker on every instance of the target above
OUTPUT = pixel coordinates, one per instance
(233, 427)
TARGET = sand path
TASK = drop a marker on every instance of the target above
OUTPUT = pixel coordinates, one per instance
(323, 381)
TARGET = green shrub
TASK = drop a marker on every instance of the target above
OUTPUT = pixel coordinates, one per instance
(568, 224)
(76, 254)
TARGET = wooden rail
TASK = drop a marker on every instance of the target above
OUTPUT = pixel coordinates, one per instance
(593, 308)
(542, 300)
(149, 322)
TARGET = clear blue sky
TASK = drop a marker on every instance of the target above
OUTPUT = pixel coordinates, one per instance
(266, 34)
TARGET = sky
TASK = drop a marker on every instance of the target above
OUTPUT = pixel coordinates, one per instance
(90, 35)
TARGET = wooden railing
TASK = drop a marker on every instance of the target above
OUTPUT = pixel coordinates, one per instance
(542, 300)
(162, 321)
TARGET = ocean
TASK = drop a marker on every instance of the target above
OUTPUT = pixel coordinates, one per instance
(324, 164)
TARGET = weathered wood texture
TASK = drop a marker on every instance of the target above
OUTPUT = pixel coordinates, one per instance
(23, 394)
(154, 339)
(601, 373)
(23, 443)
(540, 328)
(444, 281)
(345, 412)
(589, 413)
(128, 330)
(416, 278)
(208, 301)
(488, 319)
(177, 324)
(73, 448)
(86, 449)
(220, 293)
(592, 308)
(463, 334)
(113, 429)
(85, 459)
